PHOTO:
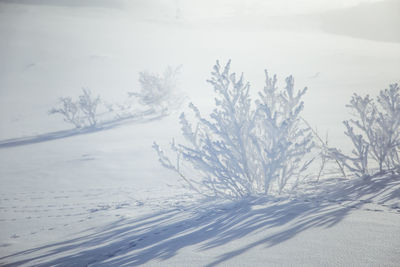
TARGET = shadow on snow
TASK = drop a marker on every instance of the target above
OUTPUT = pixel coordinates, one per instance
(144, 117)
(205, 226)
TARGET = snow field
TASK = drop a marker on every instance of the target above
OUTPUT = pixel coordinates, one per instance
(102, 199)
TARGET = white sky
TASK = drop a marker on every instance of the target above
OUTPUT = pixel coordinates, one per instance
(266, 7)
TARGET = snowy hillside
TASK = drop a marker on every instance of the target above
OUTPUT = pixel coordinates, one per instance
(86, 200)
(99, 197)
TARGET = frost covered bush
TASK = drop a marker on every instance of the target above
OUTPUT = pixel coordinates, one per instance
(280, 137)
(88, 105)
(69, 109)
(374, 132)
(157, 92)
(81, 112)
(244, 147)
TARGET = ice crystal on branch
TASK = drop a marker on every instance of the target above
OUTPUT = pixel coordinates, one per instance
(244, 148)
(374, 132)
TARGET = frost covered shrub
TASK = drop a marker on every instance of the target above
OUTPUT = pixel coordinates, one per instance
(244, 148)
(374, 132)
(70, 110)
(88, 105)
(281, 138)
(81, 112)
(158, 92)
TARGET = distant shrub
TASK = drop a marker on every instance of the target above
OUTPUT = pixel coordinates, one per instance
(88, 105)
(70, 110)
(81, 112)
(374, 133)
(244, 148)
(157, 92)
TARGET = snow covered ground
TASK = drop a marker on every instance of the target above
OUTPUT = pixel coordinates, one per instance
(101, 198)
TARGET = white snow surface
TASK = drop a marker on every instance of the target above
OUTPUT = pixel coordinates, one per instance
(100, 198)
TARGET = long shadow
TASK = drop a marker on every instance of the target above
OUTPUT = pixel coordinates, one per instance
(162, 235)
(102, 126)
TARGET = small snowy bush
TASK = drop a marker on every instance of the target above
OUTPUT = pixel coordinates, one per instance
(244, 148)
(88, 106)
(70, 110)
(157, 92)
(374, 132)
(81, 112)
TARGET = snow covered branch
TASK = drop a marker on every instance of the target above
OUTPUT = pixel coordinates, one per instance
(374, 133)
(243, 149)
(70, 110)
(81, 112)
(157, 92)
